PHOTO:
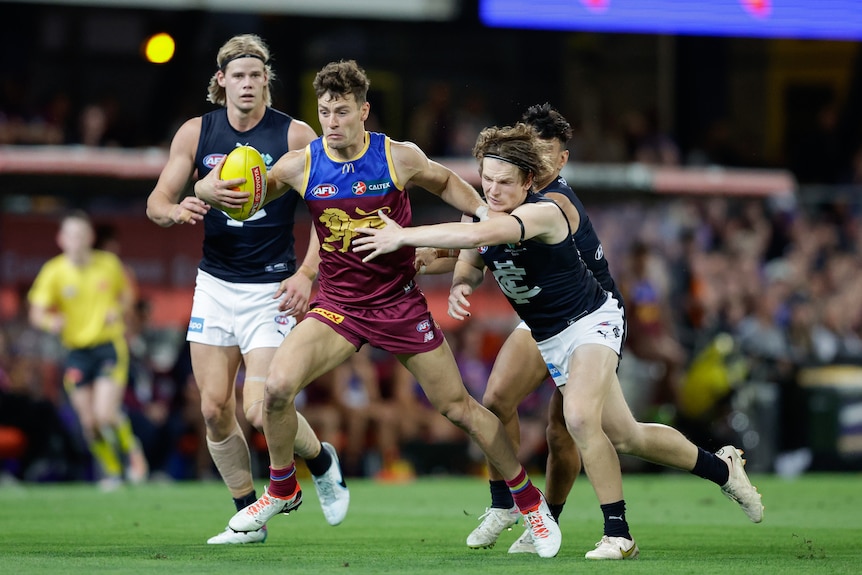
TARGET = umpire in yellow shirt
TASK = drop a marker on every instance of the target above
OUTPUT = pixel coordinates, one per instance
(82, 295)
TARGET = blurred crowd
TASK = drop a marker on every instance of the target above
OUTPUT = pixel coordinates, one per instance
(720, 293)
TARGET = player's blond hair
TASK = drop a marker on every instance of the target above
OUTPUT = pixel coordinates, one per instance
(241, 46)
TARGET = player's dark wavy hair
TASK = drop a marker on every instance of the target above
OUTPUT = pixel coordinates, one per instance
(548, 122)
(342, 78)
(518, 145)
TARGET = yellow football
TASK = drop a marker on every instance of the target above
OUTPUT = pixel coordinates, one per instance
(246, 162)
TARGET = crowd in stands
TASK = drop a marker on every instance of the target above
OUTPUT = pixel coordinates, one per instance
(773, 287)
(719, 291)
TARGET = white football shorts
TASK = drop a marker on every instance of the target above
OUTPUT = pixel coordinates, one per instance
(229, 314)
(605, 326)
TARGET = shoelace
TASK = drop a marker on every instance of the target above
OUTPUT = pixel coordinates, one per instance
(493, 516)
(537, 525)
(260, 504)
(486, 514)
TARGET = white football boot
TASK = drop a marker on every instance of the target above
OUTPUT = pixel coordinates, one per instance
(331, 490)
(544, 529)
(523, 544)
(255, 516)
(493, 522)
(738, 486)
(614, 548)
(231, 537)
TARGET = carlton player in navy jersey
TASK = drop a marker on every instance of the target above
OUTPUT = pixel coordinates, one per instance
(248, 288)
(348, 178)
(519, 369)
(528, 246)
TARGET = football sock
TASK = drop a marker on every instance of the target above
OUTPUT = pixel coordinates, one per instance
(243, 502)
(320, 464)
(524, 493)
(615, 519)
(710, 466)
(501, 497)
(282, 481)
(556, 510)
(125, 436)
(106, 456)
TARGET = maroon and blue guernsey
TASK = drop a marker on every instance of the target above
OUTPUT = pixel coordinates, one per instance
(343, 195)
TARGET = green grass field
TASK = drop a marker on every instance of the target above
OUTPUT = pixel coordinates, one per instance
(682, 525)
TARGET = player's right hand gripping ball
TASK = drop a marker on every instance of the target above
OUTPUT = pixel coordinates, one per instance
(246, 162)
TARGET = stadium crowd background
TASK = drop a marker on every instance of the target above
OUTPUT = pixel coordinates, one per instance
(744, 309)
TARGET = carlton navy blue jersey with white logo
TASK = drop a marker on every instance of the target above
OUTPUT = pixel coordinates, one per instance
(260, 249)
(586, 239)
(548, 285)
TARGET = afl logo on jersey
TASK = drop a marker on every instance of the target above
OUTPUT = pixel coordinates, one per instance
(600, 253)
(213, 160)
(359, 188)
(324, 191)
(482, 250)
(423, 326)
(282, 319)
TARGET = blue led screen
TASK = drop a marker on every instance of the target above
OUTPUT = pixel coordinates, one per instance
(804, 19)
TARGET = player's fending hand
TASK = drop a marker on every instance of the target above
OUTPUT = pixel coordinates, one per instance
(379, 241)
(458, 302)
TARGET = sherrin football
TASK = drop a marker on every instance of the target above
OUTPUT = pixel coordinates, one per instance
(246, 162)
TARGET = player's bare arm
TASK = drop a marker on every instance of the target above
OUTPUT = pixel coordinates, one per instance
(568, 207)
(299, 135)
(413, 166)
(287, 173)
(46, 319)
(164, 204)
(432, 261)
(469, 273)
(295, 291)
(498, 230)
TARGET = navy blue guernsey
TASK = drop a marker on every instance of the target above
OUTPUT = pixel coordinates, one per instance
(260, 249)
(548, 285)
(586, 239)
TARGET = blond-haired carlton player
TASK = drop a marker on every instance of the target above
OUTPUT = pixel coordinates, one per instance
(346, 178)
(82, 295)
(248, 289)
